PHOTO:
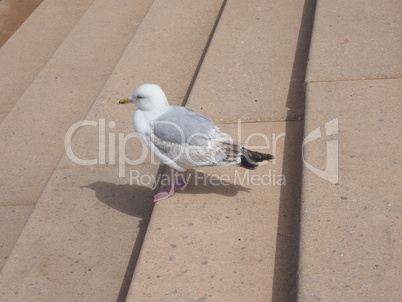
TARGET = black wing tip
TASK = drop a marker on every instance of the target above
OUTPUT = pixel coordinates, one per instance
(250, 159)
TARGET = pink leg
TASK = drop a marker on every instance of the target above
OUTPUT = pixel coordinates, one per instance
(165, 193)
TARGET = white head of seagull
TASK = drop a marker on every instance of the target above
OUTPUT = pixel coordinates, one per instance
(148, 97)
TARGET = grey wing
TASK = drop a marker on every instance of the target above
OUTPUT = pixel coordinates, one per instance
(182, 125)
(191, 139)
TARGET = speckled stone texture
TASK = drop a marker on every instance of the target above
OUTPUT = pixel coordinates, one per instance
(86, 229)
(350, 236)
(248, 68)
(355, 40)
(60, 95)
(28, 50)
(12, 220)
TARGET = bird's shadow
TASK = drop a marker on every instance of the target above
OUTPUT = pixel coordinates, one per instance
(136, 199)
(129, 199)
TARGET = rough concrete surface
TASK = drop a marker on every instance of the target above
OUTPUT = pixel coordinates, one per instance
(13, 14)
(351, 230)
(81, 238)
(248, 68)
(61, 94)
(355, 40)
(28, 50)
(12, 219)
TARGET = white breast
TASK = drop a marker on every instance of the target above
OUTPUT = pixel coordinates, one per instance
(142, 126)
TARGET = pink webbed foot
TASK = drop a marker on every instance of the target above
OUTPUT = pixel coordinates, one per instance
(178, 184)
(165, 193)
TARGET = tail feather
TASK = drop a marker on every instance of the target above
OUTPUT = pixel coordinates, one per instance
(250, 159)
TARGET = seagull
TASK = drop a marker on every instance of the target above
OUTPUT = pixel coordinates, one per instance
(182, 138)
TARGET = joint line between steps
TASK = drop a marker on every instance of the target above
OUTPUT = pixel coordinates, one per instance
(204, 52)
(100, 91)
(98, 94)
(50, 57)
(352, 80)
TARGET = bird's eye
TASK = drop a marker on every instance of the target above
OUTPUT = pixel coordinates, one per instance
(139, 97)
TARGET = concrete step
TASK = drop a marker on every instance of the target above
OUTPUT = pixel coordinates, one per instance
(255, 65)
(61, 94)
(83, 237)
(232, 234)
(28, 50)
(350, 218)
(60, 91)
(350, 229)
(13, 14)
(357, 40)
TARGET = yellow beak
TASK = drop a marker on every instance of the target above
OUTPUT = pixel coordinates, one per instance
(125, 101)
